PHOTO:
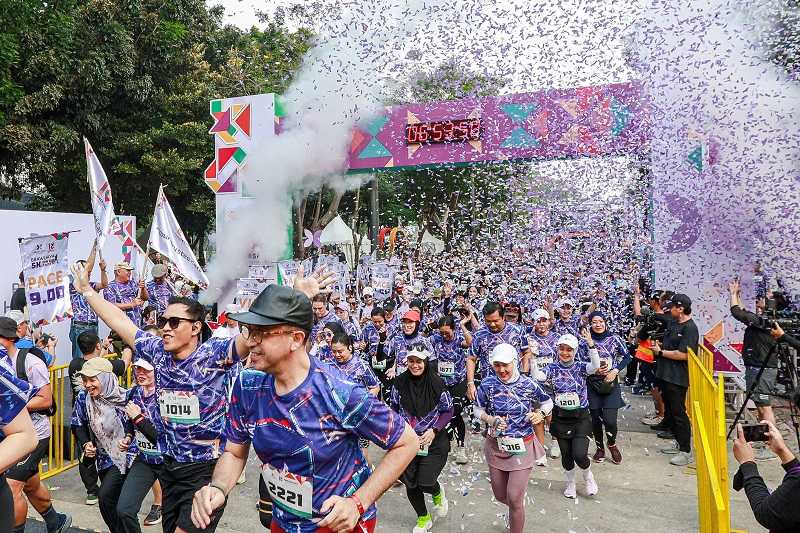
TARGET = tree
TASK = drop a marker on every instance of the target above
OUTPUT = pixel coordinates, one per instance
(135, 77)
(448, 202)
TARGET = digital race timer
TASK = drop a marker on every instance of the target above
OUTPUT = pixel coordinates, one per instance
(446, 131)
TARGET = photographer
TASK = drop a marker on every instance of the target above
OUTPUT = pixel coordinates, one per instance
(780, 336)
(778, 511)
(758, 351)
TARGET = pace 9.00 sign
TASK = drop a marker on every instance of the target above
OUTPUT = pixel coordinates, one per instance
(446, 131)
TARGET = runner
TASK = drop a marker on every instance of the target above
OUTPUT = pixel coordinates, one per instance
(544, 348)
(605, 392)
(356, 369)
(17, 435)
(304, 420)
(98, 423)
(143, 439)
(450, 345)
(192, 380)
(409, 336)
(571, 423)
(511, 404)
(321, 349)
(374, 344)
(421, 398)
(23, 478)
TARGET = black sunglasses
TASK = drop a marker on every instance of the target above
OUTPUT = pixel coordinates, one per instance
(173, 321)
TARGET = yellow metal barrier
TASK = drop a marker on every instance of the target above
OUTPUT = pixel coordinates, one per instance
(707, 402)
(61, 455)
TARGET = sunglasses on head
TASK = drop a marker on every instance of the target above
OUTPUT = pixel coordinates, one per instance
(173, 321)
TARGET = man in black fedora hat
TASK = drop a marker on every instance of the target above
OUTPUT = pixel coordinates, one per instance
(304, 419)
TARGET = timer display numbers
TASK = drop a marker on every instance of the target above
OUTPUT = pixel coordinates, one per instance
(446, 131)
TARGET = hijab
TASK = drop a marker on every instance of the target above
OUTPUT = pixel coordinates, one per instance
(104, 420)
(419, 395)
(599, 336)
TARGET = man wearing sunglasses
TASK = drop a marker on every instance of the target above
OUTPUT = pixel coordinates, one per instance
(192, 379)
(304, 419)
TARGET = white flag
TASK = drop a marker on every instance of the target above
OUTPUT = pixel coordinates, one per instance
(166, 237)
(100, 190)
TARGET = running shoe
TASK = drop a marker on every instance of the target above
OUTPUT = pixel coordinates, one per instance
(591, 484)
(555, 451)
(64, 523)
(154, 516)
(672, 449)
(461, 455)
(440, 503)
(91, 499)
(569, 490)
(599, 455)
(542, 461)
(424, 524)
(681, 459)
(651, 420)
(616, 455)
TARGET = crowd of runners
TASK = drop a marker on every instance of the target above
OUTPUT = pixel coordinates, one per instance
(507, 348)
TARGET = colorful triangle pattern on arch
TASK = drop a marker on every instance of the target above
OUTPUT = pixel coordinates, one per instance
(520, 138)
(519, 112)
(374, 149)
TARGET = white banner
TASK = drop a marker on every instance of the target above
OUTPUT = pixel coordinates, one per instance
(268, 273)
(342, 272)
(166, 237)
(382, 280)
(100, 190)
(45, 267)
(247, 289)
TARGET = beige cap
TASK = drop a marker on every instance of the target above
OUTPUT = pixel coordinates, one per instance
(95, 366)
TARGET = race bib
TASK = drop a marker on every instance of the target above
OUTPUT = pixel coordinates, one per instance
(290, 492)
(179, 407)
(423, 451)
(542, 362)
(512, 445)
(378, 365)
(145, 446)
(568, 400)
(447, 369)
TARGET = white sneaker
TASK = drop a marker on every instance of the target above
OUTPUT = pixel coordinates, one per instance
(441, 510)
(461, 455)
(542, 461)
(591, 484)
(555, 451)
(681, 459)
(569, 490)
(424, 524)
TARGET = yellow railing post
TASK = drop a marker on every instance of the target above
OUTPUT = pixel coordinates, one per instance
(711, 450)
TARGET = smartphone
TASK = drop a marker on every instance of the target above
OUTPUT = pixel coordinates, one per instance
(755, 432)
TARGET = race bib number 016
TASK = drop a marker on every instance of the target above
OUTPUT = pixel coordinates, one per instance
(568, 400)
(512, 445)
(179, 407)
(290, 492)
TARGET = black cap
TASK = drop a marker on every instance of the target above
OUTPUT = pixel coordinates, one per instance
(682, 300)
(278, 304)
(8, 327)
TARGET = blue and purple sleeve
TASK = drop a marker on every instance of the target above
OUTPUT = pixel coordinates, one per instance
(444, 412)
(147, 344)
(14, 396)
(371, 419)
(236, 427)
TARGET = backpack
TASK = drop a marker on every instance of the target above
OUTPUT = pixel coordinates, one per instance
(22, 373)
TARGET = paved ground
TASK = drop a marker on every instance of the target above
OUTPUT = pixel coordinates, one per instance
(644, 494)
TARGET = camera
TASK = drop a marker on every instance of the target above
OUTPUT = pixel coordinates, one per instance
(654, 326)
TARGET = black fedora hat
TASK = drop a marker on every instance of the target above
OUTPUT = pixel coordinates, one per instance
(278, 304)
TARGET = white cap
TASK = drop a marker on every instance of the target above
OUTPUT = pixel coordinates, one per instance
(368, 291)
(540, 313)
(16, 316)
(569, 340)
(143, 363)
(503, 353)
(419, 354)
(565, 301)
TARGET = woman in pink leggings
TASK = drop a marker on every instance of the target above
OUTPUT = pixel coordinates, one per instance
(511, 404)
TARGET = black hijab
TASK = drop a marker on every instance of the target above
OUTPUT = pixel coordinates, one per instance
(419, 395)
(599, 336)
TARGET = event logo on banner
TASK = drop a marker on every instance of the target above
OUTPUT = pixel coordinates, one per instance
(45, 266)
(382, 280)
(166, 237)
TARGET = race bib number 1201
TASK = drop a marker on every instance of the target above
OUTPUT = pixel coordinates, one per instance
(290, 492)
(568, 400)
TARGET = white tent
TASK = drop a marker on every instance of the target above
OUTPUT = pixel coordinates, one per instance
(339, 234)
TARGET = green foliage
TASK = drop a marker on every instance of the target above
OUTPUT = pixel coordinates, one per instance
(134, 77)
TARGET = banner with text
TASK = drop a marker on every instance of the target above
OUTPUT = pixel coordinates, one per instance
(382, 280)
(45, 267)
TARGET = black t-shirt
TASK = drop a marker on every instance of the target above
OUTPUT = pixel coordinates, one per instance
(18, 300)
(680, 337)
(757, 341)
(75, 380)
